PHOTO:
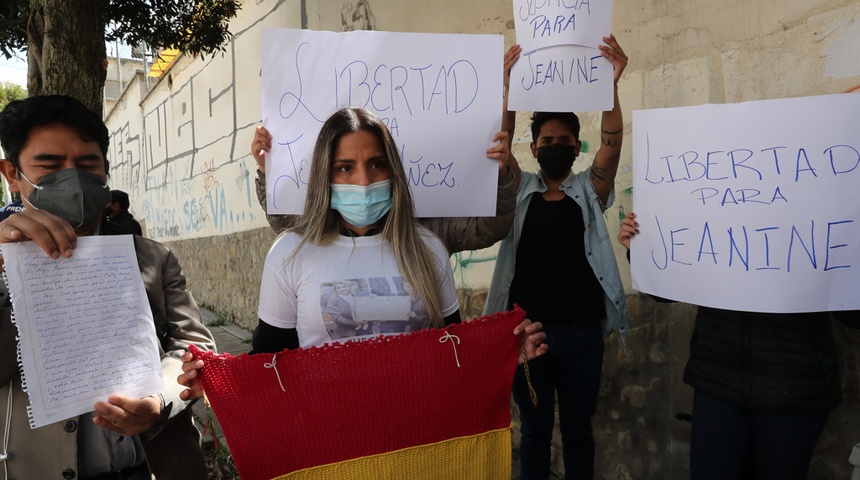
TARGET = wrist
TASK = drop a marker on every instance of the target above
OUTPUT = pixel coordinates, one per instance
(157, 400)
(163, 412)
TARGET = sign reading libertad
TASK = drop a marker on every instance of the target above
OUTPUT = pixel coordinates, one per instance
(752, 206)
(439, 95)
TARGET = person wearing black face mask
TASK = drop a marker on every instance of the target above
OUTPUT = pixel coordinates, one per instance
(557, 265)
(556, 160)
(55, 157)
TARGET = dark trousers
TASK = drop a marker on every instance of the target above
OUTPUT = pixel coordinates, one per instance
(731, 442)
(570, 369)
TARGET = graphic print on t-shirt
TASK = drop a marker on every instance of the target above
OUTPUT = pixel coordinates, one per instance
(371, 306)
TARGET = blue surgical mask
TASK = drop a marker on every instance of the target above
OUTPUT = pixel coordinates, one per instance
(361, 206)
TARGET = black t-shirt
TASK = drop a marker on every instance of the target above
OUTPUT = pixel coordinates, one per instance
(553, 281)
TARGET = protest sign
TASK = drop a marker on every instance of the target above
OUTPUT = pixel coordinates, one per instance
(750, 206)
(561, 68)
(564, 78)
(439, 95)
(545, 23)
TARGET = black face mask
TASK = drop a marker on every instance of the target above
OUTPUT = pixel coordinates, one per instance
(555, 160)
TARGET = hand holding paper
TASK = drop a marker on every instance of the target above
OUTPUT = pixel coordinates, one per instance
(260, 146)
(612, 51)
(54, 235)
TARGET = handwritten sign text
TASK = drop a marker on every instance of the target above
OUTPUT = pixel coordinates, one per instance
(751, 206)
(439, 95)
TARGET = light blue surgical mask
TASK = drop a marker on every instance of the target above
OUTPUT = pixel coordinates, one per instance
(361, 206)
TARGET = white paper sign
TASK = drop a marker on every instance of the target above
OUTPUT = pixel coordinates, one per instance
(544, 23)
(565, 78)
(84, 324)
(440, 96)
(752, 206)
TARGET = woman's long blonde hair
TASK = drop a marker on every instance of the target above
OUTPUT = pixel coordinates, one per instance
(319, 225)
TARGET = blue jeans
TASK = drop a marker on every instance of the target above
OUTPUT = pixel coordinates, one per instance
(571, 369)
(730, 442)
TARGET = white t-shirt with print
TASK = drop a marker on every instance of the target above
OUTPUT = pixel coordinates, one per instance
(350, 289)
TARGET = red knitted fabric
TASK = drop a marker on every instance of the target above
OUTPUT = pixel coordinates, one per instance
(345, 401)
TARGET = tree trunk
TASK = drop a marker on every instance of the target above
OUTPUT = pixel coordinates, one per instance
(35, 33)
(66, 50)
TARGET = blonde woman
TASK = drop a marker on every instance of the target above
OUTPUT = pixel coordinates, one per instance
(367, 231)
(358, 225)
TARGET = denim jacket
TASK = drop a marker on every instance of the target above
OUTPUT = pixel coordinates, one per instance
(598, 246)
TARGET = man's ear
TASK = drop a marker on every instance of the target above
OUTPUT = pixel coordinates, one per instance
(578, 148)
(107, 168)
(534, 149)
(11, 173)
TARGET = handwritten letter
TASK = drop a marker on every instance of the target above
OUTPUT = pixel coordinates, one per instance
(752, 206)
(439, 95)
(86, 330)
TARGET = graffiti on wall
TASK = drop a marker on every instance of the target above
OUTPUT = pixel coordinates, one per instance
(182, 153)
(357, 16)
(125, 154)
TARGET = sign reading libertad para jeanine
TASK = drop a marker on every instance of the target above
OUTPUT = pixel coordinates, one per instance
(752, 206)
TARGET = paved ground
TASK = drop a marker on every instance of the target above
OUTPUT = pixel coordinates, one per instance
(229, 338)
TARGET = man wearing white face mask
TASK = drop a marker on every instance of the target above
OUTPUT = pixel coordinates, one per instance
(55, 157)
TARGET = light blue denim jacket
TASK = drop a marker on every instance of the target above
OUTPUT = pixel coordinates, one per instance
(598, 248)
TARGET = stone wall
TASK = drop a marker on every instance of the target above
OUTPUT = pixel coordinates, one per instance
(224, 272)
(635, 428)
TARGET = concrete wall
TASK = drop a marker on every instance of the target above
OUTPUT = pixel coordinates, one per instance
(182, 153)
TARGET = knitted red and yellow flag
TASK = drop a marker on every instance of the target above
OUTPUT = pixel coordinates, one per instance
(427, 405)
